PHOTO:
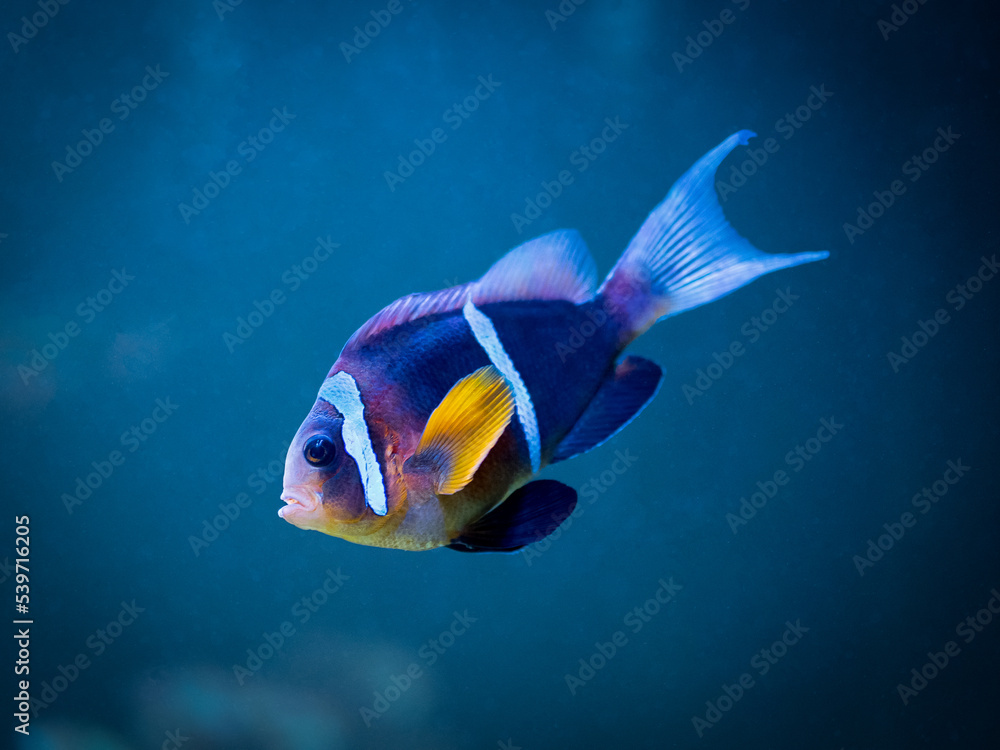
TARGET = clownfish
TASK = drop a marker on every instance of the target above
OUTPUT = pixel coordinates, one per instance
(440, 410)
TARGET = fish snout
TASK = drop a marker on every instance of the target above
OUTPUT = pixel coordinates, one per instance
(299, 501)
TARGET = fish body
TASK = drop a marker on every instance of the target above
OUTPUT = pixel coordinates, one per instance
(440, 350)
(440, 410)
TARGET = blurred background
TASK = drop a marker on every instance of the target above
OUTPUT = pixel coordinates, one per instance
(168, 165)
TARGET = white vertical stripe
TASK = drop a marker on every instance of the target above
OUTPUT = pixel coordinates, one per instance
(341, 392)
(486, 335)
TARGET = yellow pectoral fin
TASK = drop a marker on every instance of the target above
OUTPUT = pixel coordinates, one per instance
(464, 427)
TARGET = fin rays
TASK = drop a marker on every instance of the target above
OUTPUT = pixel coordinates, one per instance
(465, 426)
(686, 254)
(555, 266)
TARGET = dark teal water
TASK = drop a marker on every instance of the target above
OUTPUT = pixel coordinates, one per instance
(125, 275)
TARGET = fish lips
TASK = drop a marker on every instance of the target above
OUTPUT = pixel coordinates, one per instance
(301, 504)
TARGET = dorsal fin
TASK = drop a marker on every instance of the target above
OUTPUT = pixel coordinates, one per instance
(411, 307)
(555, 266)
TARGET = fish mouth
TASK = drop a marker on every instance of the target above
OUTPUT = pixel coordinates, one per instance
(298, 501)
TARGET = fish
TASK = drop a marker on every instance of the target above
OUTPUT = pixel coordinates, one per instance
(432, 424)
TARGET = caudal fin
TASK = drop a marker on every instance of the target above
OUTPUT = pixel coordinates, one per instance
(686, 254)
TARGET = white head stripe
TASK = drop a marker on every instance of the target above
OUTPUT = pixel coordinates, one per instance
(341, 392)
(486, 335)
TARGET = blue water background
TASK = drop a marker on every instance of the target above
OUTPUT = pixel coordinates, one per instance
(503, 681)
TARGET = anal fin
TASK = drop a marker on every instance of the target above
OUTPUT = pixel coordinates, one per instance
(530, 514)
(618, 401)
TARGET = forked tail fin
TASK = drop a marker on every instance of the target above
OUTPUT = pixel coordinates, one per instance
(686, 254)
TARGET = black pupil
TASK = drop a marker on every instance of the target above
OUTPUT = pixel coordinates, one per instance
(320, 451)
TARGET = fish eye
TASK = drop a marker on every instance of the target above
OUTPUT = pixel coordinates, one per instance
(320, 451)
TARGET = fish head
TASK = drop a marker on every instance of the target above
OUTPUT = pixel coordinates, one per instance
(323, 487)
